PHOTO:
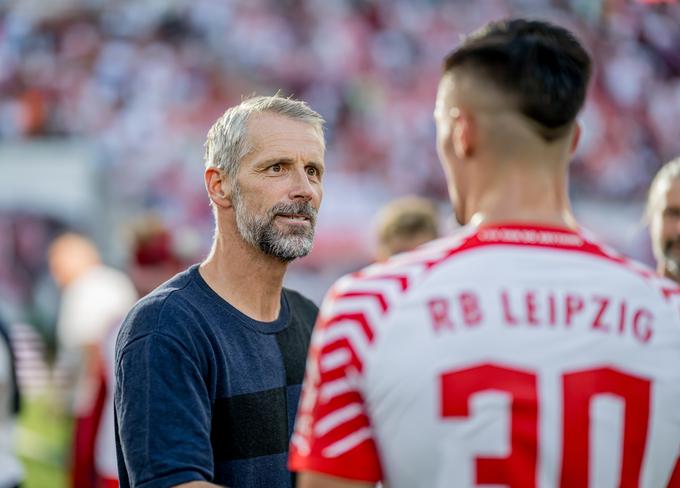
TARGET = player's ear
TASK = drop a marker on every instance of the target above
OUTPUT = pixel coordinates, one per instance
(218, 186)
(464, 134)
(576, 136)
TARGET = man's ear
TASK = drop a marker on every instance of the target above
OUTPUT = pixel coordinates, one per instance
(464, 134)
(218, 186)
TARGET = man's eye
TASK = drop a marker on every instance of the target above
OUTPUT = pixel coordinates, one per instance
(312, 171)
(276, 168)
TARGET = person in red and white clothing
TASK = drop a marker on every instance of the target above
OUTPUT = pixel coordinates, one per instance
(519, 352)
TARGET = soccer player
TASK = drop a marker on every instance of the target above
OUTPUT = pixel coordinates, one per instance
(520, 352)
(663, 214)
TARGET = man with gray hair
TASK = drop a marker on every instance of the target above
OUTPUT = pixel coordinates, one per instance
(209, 365)
(663, 215)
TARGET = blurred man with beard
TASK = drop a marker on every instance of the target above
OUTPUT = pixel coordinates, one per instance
(663, 214)
(209, 366)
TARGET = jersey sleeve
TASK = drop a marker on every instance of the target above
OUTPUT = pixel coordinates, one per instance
(163, 414)
(333, 433)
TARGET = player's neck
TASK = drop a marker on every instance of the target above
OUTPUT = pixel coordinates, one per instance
(245, 277)
(520, 195)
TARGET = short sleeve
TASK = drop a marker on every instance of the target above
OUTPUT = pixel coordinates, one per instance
(332, 433)
(163, 414)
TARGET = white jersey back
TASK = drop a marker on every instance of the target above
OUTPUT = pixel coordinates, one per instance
(506, 356)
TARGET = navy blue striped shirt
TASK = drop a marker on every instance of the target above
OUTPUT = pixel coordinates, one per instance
(203, 392)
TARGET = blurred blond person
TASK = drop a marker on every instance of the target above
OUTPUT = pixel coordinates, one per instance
(663, 215)
(94, 298)
(404, 224)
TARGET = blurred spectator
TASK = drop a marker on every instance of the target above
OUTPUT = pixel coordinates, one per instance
(154, 259)
(663, 215)
(11, 472)
(405, 224)
(93, 295)
(94, 298)
(144, 80)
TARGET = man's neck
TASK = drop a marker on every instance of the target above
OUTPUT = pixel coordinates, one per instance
(520, 196)
(245, 277)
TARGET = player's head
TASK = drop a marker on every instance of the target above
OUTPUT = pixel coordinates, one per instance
(404, 224)
(663, 215)
(264, 162)
(510, 92)
(71, 255)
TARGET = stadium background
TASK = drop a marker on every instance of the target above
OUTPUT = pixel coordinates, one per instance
(104, 107)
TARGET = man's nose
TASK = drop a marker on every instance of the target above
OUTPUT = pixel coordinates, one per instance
(301, 187)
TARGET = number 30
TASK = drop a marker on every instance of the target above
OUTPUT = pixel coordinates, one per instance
(518, 469)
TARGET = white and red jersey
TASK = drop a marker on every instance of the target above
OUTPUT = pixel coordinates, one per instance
(508, 355)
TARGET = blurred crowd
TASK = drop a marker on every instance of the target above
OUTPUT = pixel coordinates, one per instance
(144, 80)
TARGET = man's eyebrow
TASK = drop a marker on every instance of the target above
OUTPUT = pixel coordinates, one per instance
(286, 160)
(275, 160)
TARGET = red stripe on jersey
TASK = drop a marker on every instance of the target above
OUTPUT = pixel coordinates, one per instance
(358, 317)
(358, 464)
(401, 279)
(370, 294)
(545, 237)
(669, 292)
(675, 477)
(345, 344)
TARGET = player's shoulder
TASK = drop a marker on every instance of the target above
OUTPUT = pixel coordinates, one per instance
(384, 283)
(640, 275)
(644, 272)
(409, 263)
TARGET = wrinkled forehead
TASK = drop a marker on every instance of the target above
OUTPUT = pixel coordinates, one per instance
(272, 136)
(264, 127)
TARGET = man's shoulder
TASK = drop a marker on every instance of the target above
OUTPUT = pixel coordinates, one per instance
(160, 310)
(302, 309)
(298, 301)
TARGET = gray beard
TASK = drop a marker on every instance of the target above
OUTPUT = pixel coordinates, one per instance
(261, 231)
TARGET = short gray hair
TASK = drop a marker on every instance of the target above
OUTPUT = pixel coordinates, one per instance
(227, 141)
(668, 173)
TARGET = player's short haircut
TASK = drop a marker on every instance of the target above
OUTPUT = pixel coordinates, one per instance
(543, 68)
(227, 141)
(668, 173)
